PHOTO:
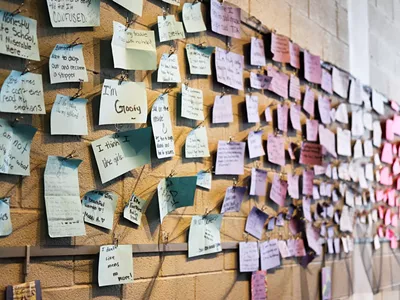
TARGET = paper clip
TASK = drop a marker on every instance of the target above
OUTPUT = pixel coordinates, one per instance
(71, 155)
(234, 182)
(228, 46)
(201, 45)
(74, 43)
(128, 22)
(16, 121)
(124, 76)
(27, 69)
(259, 129)
(167, 90)
(115, 240)
(171, 50)
(172, 174)
(164, 12)
(257, 164)
(18, 10)
(250, 90)
(79, 92)
(230, 140)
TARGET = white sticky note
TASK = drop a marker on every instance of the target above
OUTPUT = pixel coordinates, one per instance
(61, 195)
(22, 93)
(192, 103)
(15, 145)
(99, 207)
(135, 6)
(115, 265)
(343, 142)
(229, 67)
(377, 134)
(358, 150)
(222, 109)
(340, 82)
(74, 13)
(249, 257)
(252, 109)
(162, 127)
(18, 36)
(357, 126)
(368, 148)
(123, 102)
(204, 179)
(199, 58)
(341, 114)
(5, 217)
(67, 64)
(257, 52)
(168, 70)
(367, 120)
(68, 111)
(193, 18)
(133, 49)
(356, 91)
(134, 209)
(378, 101)
(254, 142)
(196, 144)
(169, 29)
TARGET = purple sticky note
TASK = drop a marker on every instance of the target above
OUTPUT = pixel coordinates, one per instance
(308, 178)
(326, 283)
(312, 67)
(312, 235)
(258, 186)
(230, 158)
(255, 222)
(278, 190)
(259, 285)
(309, 100)
(293, 186)
(294, 87)
(294, 50)
(326, 82)
(222, 109)
(324, 108)
(260, 81)
(229, 67)
(312, 130)
(276, 149)
(279, 84)
(271, 224)
(254, 142)
(233, 199)
(282, 117)
(225, 19)
(268, 116)
(307, 208)
(295, 116)
(270, 258)
(248, 256)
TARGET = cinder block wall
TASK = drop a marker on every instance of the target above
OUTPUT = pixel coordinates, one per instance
(318, 25)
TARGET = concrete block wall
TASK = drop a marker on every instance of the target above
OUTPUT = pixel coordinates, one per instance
(320, 26)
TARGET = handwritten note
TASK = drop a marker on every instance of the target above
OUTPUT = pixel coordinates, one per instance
(327, 140)
(326, 82)
(258, 185)
(74, 14)
(135, 6)
(204, 179)
(378, 101)
(133, 49)
(295, 111)
(294, 50)
(225, 19)
(282, 113)
(233, 199)
(68, 111)
(230, 158)
(257, 52)
(248, 256)
(229, 67)
(254, 142)
(222, 109)
(308, 179)
(99, 207)
(123, 103)
(280, 48)
(324, 108)
(270, 258)
(343, 142)
(252, 109)
(276, 149)
(175, 192)
(312, 235)
(162, 127)
(168, 70)
(280, 81)
(134, 209)
(267, 113)
(309, 101)
(169, 29)
(340, 82)
(192, 17)
(196, 144)
(311, 154)
(27, 291)
(312, 68)
(115, 265)
(312, 130)
(199, 59)
(173, 2)
(67, 64)
(5, 217)
(326, 283)
(22, 93)
(255, 222)
(192, 103)
(278, 190)
(260, 81)
(293, 186)
(294, 87)
(259, 285)
(15, 147)
(356, 92)
(204, 235)
(119, 153)
(61, 195)
(18, 36)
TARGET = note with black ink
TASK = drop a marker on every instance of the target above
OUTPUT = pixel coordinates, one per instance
(99, 207)
(18, 36)
(259, 285)
(168, 70)
(68, 111)
(204, 179)
(276, 149)
(193, 18)
(222, 109)
(162, 127)
(67, 64)
(270, 258)
(27, 291)
(205, 235)
(278, 190)
(258, 185)
(175, 192)
(229, 67)
(280, 48)
(293, 186)
(225, 19)
(230, 158)
(233, 199)
(119, 153)
(134, 209)
(196, 144)
(279, 84)
(28, 100)
(249, 258)
(252, 109)
(115, 265)
(133, 49)
(312, 67)
(74, 14)
(15, 145)
(135, 6)
(5, 217)
(343, 142)
(123, 103)
(260, 81)
(192, 103)
(61, 195)
(254, 142)
(199, 58)
(257, 52)
(169, 29)
(340, 82)
(255, 222)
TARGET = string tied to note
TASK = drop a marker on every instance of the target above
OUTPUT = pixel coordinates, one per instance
(118, 128)
(74, 43)
(73, 154)
(19, 10)
(129, 22)
(172, 49)
(79, 91)
(16, 121)
(167, 90)
(172, 174)
(124, 76)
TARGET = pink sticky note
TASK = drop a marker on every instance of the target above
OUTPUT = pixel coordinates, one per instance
(230, 158)
(324, 108)
(388, 217)
(229, 67)
(326, 82)
(396, 124)
(283, 117)
(278, 190)
(279, 84)
(276, 149)
(394, 105)
(386, 177)
(294, 87)
(389, 233)
(381, 212)
(380, 232)
(312, 130)
(259, 285)
(291, 152)
(308, 178)
(222, 109)
(393, 243)
(295, 116)
(398, 184)
(389, 130)
(260, 81)
(293, 186)
(391, 194)
(280, 48)
(394, 149)
(385, 197)
(268, 116)
(312, 67)
(387, 153)
(225, 19)
(396, 167)
(294, 50)
(379, 194)
(309, 99)
(394, 221)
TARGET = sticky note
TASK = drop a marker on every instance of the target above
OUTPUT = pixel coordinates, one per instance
(192, 17)
(257, 52)
(326, 81)
(229, 67)
(5, 217)
(269, 255)
(258, 184)
(233, 199)
(278, 190)
(199, 58)
(225, 19)
(135, 6)
(99, 207)
(168, 69)
(295, 111)
(254, 142)
(204, 235)
(192, 103)
(312, 68)
(196, 144)
(260, 81)
(324, 108)
(294, 50)
(340, 82)
(248, 257)
(204, 179)
(280, 48)
(294, 87)
(279, 83)
(309, 99)
(255, 222)
(115, 265)
(134, 210)
(75, 14)
(222, 109)
(252, 109)
(169, 29)
(230, 158)
(276, 149)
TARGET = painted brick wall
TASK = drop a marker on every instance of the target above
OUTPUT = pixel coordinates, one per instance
(318, 25)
